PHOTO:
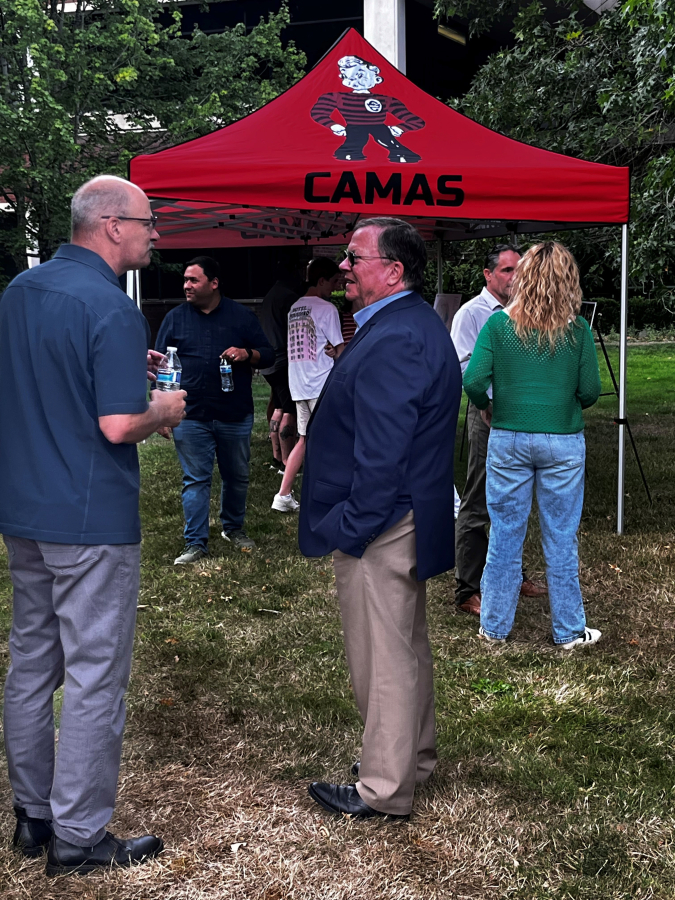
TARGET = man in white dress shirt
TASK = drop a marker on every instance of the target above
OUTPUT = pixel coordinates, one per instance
(471, 541)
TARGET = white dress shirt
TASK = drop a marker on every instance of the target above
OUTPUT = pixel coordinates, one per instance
(468, 322)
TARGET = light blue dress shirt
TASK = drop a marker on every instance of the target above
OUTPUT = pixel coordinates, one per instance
(361, 316)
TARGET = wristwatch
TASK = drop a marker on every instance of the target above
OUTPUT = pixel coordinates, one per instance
(250, 354)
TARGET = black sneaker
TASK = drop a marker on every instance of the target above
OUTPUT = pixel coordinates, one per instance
(240, 539)
(31, 836)
(64, 858)
(191, 554)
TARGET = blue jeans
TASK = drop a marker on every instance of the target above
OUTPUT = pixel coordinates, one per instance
(516, 461)
(197, 443)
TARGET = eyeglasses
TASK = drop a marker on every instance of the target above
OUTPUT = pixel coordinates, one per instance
(149, 223)
(352, 258)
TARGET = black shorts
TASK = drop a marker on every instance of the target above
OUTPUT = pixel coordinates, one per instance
(281, 393)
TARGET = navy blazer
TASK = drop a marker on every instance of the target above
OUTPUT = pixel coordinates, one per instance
(381, 439)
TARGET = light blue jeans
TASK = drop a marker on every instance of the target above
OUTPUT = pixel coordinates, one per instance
(197, 443)
(516, 461)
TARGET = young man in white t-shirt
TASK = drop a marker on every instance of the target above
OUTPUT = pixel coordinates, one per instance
(313, 328)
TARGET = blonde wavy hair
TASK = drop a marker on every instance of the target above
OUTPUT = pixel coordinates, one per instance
(546, 294)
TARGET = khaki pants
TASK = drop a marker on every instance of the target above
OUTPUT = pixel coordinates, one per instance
(383, 610)
(471, 540)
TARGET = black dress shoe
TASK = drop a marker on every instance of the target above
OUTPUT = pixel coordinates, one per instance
(344, 799)
(31, 836)
(64, 858)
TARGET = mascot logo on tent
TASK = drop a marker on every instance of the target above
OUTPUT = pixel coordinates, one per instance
(365, 114)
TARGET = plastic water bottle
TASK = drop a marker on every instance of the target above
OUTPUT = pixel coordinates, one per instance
(168, 374)
(226, 380)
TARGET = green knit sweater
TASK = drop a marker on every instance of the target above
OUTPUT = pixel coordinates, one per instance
(534, 390)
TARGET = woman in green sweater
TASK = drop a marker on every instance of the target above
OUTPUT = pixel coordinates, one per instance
(540, 358)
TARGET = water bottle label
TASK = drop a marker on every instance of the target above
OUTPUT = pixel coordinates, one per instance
(168, 377)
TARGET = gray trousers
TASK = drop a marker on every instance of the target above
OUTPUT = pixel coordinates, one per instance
(74, 616)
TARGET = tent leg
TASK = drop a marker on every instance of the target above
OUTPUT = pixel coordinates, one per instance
(134, 285)
(622, 381)
(439, 266)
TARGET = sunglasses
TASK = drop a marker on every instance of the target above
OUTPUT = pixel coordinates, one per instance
(352, 258)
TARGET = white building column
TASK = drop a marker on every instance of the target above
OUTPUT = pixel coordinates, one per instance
(384, 28)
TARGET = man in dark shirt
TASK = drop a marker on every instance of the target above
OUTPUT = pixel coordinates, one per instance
(73, 351)
(206, 329)
(274, 319)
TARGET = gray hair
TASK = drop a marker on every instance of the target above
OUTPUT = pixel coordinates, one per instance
(400, 241)
(492, 256)
(105, 195)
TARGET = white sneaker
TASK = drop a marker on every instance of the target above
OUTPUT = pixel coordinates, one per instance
(590, 636)
(489, 638)
(286, 503)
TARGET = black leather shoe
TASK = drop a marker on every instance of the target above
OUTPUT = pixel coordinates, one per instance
(343, 799)
(64, 858)
(31, 836)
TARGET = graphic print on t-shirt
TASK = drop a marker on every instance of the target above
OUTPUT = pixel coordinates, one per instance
(365, 114)
(301, 335)
(312, 323)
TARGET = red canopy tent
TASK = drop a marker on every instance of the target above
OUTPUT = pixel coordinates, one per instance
(355, 138)
(282, 173)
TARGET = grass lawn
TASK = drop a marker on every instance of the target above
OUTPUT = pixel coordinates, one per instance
(556, 775)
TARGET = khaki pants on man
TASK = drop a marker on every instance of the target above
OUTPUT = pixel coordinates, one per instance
(471, 539)
(383, 609)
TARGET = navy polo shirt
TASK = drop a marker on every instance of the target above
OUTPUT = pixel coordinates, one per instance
(200, 338)
(73, 347)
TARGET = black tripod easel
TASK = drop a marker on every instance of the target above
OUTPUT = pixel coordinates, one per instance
(615, 393)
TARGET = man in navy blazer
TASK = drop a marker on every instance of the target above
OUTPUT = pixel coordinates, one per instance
(377, 493)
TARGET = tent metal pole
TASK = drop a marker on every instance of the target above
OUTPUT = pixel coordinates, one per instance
(134, 286)
(622, 380)
(439, 266)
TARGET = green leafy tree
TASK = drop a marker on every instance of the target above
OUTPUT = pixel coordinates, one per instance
(222, 77)
(601, 88)
(480, 15)
(82, 91)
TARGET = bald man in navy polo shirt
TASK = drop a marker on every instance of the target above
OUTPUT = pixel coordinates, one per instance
(73, 366)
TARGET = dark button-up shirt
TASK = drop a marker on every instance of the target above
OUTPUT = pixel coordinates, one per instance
(73, 347)
(276, 306)
(200, 339)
